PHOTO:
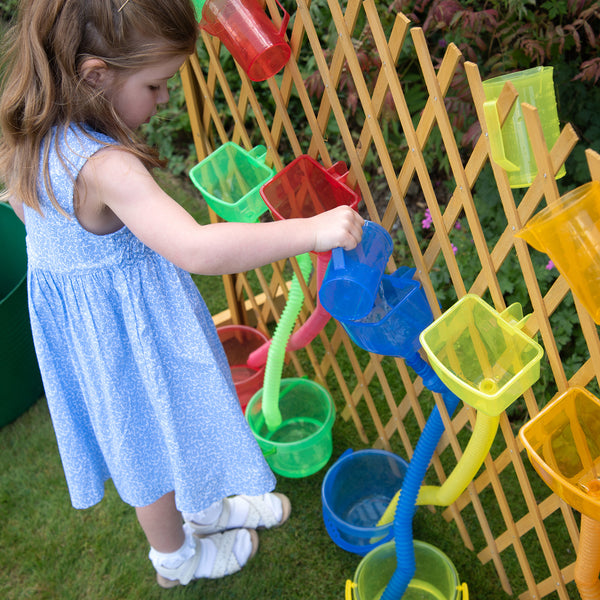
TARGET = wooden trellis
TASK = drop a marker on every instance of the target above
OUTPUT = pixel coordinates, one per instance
(370, 393)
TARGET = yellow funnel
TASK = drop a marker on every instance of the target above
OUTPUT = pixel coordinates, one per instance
(569, 232)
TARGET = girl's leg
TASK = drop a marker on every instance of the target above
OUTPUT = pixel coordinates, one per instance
(179, 557)
(162, 523)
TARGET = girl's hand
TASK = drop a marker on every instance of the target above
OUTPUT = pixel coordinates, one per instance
(339, 227)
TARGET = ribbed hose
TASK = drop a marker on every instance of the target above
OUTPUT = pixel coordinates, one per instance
(276, 356)
(587, 565)
(307, 332)
(463, 473)
(465, 470)
(419, 463)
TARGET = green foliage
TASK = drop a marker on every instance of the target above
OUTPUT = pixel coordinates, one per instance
(7, 9)
(500, 36)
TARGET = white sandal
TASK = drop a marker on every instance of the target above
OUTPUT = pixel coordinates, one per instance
(226, 562)
(260, 514)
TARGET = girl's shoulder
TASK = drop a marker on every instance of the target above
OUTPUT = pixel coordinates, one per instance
(64, 152)
(79, 140)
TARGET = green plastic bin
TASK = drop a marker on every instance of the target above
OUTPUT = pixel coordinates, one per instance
(20, 380)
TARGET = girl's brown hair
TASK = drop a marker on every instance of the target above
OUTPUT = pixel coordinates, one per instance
(41, 87)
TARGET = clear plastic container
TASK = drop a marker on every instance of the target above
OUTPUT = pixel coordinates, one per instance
(255, 43)
(399, 314)
(304, 188)
(230, 179)
(481, 355)
(301, 445)
(356, 490)
(239, 341)
(569, 232)
(563, 445)
(436, 577)
(510, 144)
(352, 279)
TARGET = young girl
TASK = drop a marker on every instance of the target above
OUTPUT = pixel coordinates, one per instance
(137, 382)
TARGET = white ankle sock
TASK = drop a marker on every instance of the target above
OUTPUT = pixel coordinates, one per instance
(207, 548)
(172, 560)
(208, 516)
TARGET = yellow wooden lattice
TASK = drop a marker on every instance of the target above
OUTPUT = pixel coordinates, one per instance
(369, 383)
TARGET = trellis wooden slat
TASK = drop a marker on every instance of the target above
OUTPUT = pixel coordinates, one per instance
(380, 406)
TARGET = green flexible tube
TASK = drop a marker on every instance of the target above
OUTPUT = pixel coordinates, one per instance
(281, 335)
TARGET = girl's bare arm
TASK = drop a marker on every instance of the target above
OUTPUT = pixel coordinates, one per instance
(117, 180)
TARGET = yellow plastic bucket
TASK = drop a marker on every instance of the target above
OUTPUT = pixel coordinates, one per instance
(509, 143)
(436, 577)
(569, 232)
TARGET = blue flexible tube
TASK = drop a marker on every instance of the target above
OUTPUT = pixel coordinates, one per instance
(276, 355)
(419, 463)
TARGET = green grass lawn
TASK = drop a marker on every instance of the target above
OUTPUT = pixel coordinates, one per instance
(51, 551)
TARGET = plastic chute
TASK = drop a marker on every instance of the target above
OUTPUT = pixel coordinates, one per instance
(406, 507)
(463, 473)
(587, 565)
(307, 332)
(277, 348)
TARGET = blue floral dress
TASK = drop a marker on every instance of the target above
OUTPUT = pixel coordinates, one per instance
(135, 376)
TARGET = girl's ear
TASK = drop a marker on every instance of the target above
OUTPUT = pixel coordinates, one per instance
(95, 72)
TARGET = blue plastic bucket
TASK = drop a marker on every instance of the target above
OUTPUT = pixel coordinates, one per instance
(355, 493)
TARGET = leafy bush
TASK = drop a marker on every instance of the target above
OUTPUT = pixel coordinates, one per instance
(7, 9)
(500, 36)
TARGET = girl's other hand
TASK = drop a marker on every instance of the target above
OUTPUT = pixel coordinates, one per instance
(339, 227)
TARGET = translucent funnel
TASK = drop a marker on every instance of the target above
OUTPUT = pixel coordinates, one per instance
(305, 188)
(481, 355)
(230, 179)
(398, 316)
(569, 232)
(563, 445)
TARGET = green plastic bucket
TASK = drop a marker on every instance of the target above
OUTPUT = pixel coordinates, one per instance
(20, 380)
(435, 576)
(301, 445)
